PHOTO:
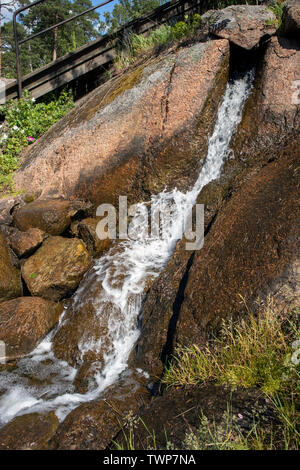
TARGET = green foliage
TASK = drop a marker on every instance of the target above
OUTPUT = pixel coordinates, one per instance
(253, 352)
(25, 121)
(165, 34)
(277, 9)
(45, 48)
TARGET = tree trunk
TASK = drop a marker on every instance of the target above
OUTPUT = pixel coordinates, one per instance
(55, 32)
(54, 55)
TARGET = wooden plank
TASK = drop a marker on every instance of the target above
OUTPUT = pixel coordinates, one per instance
(96, 53)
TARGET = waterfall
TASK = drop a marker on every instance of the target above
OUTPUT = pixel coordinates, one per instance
(123, 273)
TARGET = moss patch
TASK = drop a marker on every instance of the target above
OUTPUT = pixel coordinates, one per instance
(123, 83)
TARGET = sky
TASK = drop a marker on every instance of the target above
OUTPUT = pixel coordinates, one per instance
(105, 8)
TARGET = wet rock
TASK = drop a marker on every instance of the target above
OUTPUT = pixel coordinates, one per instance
(160, 314)
(291, 18)
(93, 425)
(53, 216)
(25, 243)
(242, 25)
(7, 230)
(271, 118)
(24, 321)
(92, 318)
(56, 268)
(86, 230)
(116, 138)
(10, 276)
(28, 432)
(250, 248)
(84, 335)
(8, 366)
(162, 305)
(7, 206)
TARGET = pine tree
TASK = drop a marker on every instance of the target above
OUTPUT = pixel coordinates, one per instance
(6, 7)
(127, 10)
(66, 38)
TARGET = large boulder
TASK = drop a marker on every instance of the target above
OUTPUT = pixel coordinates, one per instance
(52, 216)
(251, 250)
(271, 119)
(93, 426)
(24, 321)
(86, 230)
(93, 318)
(25, 243)
(10, 276)
(137, 133)
(28, 432)
(242, 25)
(291, 18)
(7, 206)
(162, 305)
(56, 268)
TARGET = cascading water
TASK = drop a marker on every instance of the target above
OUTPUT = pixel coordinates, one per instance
(41, 382)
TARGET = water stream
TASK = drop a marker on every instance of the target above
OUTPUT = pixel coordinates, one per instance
(41, 382)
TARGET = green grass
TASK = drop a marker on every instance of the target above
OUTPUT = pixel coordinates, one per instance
(258, 352)
(137, 45)
(24, 121)
(228, 434)
(254, 352)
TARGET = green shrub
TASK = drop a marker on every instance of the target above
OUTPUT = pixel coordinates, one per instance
(25, 121)
(180, 30)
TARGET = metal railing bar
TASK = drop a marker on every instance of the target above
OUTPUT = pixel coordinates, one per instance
(18, 43)
(46, 30)
(169, 5)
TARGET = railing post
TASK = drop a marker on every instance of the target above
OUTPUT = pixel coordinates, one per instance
(19, 75)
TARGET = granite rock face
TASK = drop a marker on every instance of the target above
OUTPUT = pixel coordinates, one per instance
(243, 25)
(10, 276)
(24, 321)
(137, 133)
(53, 216)
(291, 18)
(56, 268)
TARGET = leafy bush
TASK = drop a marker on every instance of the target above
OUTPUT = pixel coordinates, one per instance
(25, 121)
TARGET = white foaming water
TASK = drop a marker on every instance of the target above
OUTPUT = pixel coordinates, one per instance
(43, 383)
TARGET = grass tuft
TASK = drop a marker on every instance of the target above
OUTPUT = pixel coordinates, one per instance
(255, 352)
